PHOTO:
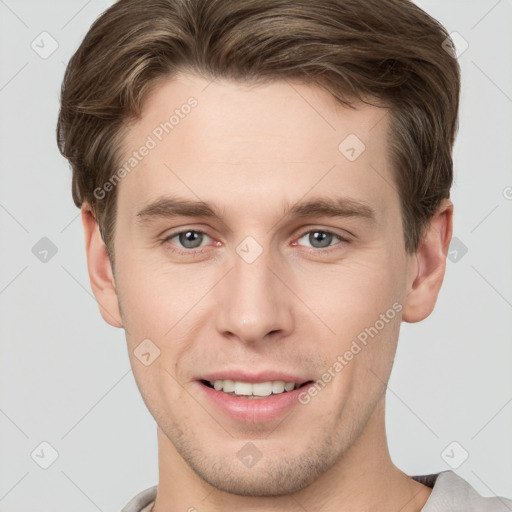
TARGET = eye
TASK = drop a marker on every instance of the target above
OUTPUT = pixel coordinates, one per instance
(321, 239)
(189, 239)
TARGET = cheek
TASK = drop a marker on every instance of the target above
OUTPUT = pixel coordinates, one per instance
(154, 297)
(360, 303)
(169, 308)
(352, 296)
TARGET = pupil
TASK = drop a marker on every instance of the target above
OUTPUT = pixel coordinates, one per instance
(189, 239)
(323, 238)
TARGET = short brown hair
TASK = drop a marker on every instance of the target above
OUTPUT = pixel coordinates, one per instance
(389, 50)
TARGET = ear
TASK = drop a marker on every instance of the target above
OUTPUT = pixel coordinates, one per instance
(429, 265)
(100, 269)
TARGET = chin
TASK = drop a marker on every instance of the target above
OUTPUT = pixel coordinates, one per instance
(276, 473)
(276, 479)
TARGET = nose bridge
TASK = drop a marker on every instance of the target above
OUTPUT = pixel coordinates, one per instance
(253, 302)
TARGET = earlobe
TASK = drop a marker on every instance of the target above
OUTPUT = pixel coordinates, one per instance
(430, 265)
(100, 269)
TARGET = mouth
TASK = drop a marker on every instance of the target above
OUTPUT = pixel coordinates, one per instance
(252, 402)
(253, 390)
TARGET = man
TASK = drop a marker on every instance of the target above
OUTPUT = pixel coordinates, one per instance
(264, 187)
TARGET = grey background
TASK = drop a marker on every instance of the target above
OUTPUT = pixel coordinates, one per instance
(65, 377)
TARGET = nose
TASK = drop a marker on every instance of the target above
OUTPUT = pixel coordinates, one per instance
(254, 303)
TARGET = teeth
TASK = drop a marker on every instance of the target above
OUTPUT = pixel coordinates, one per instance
(289, 386)
(256, 389)
(243, 388)
(261, 389)
(278, 386)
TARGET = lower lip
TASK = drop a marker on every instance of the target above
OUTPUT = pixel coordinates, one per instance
(253, 410)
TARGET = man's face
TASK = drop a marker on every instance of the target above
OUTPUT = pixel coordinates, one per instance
(258, 290)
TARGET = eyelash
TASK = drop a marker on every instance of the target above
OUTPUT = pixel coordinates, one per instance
(342, 240)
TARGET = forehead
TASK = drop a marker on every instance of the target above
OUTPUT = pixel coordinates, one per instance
(245, 144)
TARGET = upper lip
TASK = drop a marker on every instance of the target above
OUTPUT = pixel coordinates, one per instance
(261, 376)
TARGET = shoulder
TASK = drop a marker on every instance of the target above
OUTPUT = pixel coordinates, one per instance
(142, 501)
(452, 493)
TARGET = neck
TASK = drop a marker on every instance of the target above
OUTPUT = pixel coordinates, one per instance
(363, 479)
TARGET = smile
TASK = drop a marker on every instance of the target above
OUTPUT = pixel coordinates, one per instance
(255, 390)
(252, 402)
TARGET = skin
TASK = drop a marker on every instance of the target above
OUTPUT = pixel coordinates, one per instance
(249, 150)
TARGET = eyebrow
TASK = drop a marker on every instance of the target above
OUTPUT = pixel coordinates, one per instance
(342, 207)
